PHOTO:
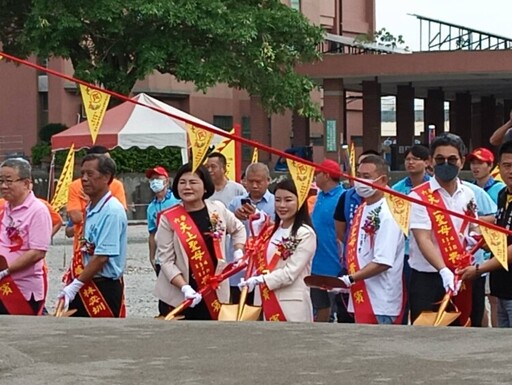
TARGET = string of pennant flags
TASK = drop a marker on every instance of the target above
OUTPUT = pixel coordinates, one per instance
(302, 171)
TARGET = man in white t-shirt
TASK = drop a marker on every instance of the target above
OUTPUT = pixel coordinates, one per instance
(225, 190)
(432, 268)
(375, 250)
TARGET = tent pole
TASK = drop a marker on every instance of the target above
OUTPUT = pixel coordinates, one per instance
(51, 177)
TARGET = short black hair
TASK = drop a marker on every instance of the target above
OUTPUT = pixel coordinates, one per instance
(369, 152)
(201, 172)
(100, 150)
(505, 148)
(106, 165)
(379, 162)
(418, 151)
(301, 217)
(449, 139)
(221, 157)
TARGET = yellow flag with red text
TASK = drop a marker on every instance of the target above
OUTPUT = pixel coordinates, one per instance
(495, 173)
(200, 143)
(497, 243)
(60, 198)
(401, 211)
(95, 103)
(352, 159)
(227, 148)
(302, 175)
(255, 155)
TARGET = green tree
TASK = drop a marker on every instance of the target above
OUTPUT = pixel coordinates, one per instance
(248, 44)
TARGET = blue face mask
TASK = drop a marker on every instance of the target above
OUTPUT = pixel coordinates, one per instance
(156, 185)
(446, 171)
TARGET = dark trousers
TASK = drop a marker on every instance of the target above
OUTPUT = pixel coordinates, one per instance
(342, 315)
(235, 295)
(407, 280)
(425, 290)
(163, 308)
(112, 291)
(478, 304)
(35, 305)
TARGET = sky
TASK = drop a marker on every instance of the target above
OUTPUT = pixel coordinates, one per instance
(494, 17)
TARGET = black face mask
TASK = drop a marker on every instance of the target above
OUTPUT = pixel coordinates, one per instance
(446, 171)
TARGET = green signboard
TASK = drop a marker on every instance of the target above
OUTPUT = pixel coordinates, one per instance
(330, 136)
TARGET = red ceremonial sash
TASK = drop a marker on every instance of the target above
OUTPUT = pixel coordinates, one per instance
(199, 257)
(452, 250)
(363, 310)
(12, 298)
(92, 298)
(269, 302)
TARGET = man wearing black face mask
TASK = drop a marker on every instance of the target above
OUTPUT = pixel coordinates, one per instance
(438, 238)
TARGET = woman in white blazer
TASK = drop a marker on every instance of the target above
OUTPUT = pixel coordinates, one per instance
(292, 229)
(176, 281)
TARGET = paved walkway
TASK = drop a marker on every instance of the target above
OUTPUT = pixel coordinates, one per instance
(46, 350)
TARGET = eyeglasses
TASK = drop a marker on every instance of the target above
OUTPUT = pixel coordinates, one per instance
(9, 182)
(451, 160)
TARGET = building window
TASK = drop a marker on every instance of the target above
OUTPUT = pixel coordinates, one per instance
(246, 133)
(295, 4)
(224, 122)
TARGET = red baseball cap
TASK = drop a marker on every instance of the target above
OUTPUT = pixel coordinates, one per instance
(159, 170)
(331, 167)
(482, 154)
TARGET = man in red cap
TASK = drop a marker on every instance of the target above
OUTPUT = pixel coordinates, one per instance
(159, 184)
(326, 260)
(481, 162)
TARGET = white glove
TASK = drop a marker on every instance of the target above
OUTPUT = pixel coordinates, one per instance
(69, 292)
(346, 280)
(259, 220)
(448, 279)
(471, 241)
(338, 290)
(190, 293)
(4, 273)
(238, 255)
(251, 282)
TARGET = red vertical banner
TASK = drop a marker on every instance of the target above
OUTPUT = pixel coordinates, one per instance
(238, 153)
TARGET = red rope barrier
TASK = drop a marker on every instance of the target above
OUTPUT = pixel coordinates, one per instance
(254, 144)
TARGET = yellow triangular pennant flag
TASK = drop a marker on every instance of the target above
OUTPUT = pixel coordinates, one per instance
(60, 198)
(302, 175)
(401, 211)
(95, 103)
(200, 143)
(352, 159)
(227, 148)
(497, 243)
(495, 173)
(255, 155)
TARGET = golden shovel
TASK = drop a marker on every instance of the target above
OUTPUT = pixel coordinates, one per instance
(242, 311)
(443, 317)
(439, 318)
(59, 310)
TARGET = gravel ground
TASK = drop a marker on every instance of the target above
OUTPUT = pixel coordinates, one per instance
(139, 275)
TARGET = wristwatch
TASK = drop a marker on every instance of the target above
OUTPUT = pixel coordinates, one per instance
(351, 279)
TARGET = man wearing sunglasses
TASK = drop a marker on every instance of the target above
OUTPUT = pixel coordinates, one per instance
(438, 239)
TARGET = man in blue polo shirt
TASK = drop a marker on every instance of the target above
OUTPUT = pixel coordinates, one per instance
(159, 184)
(481, 162)
(103, 247)
(326, 260)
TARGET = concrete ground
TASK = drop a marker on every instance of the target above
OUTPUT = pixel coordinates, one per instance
(47, 350)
